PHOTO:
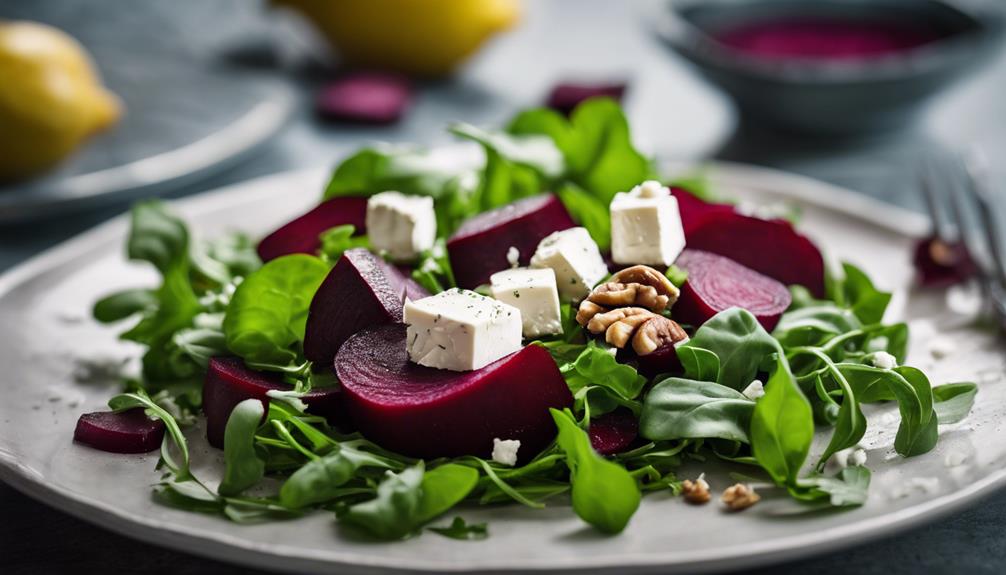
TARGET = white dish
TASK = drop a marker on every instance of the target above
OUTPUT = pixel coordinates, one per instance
(43, 323)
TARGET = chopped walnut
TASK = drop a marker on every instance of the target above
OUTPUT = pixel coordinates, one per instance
(602, 321)
(645, 275)
(696, 492)
(655, 333)
(587, 311)
(739, 496)
(615, 294)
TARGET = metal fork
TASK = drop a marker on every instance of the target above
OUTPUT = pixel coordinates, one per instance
(969, 190)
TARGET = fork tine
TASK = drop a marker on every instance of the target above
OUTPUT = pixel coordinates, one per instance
(978, 188)
(933, 202)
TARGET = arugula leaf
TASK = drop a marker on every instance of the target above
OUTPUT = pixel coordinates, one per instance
(738, 341)
(679, 408)
(782, 426)
(434, 271)
(334, 241)
(849, 488)
(459, 529)
(954, 401)
(866, 301)
(815, 324)
(243, 465)
(597, 367)
(604, 494)
(268, 312)
(125, 401)
(444, 487)
(391, 514)
(318, 481)
(918, 431)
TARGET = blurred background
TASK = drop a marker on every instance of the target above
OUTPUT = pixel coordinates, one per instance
(107, 101)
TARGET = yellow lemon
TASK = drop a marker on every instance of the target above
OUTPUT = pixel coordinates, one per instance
(419, 37)
(51, 98)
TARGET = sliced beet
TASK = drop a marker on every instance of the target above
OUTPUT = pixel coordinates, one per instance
(301, 236)
(401, 280)
(229, 382)
(366, 98)
(566, 96)
(663, 360)
(479, 248)
(716, 283)
(771, 247)
(940, 264)
(360, 291)
(128, 431)
(425, 412)
(613, 432)
(694, 209)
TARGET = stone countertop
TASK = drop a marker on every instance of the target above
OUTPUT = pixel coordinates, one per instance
(674, 115)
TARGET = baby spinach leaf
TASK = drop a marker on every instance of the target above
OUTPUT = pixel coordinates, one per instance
(849, 488)
(604, 494)
(318, 481)
(814, 324)
(459, 529)
(596, 366)
(157, 236)
(954, 401)
(268, 312)
(533, 151)
(686, 409)
(406, 169)
(782, 426)
(594, 400)
(699, 363)
(590, 211)
(865, 300)
(444, 487)
(739, 342)
(391, 514)
(918, 431)
(243, 465)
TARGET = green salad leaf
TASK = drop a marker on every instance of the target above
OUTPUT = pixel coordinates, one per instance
(782, 426)
(243, 465)
(739, 343)
(679, 408)
(954, 401)
(461, 530)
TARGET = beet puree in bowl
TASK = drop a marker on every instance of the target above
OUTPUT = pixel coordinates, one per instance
(830, 67)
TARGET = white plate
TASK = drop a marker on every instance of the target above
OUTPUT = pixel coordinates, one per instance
(42, 309)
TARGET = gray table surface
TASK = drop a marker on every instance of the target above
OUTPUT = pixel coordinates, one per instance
(674, 115)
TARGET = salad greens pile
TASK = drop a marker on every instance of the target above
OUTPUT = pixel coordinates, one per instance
(824, 361)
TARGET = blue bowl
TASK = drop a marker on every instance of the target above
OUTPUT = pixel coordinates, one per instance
(832, 97)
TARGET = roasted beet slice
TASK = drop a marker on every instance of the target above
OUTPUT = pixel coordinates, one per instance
(360, 291)
(366, 98)
(425, 412)
(716, 283)
(941, 264)
(613, 432)
(566, 96)
(663, 360)
(771, 247)
(694, 209)
(229, 382)
(479, 248)
(128, 431)
(300, 236)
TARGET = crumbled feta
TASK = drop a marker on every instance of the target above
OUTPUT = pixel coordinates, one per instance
(849, 457)
(534, 293)
(505, 451)
(884, 360)
(942, 346)
(857, 457)
(754, 390)
(646, 226)
(461, 330)
(401, 225)
(576, 260)
(513, 256)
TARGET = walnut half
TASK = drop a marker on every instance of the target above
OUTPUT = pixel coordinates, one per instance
(655, 333)
(739, 496)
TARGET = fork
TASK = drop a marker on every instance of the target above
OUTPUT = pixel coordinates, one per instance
(969, 191)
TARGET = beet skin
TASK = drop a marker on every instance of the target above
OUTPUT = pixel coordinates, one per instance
(425, 412)
(229, 382)
(716, 283)
(129, 431)
(479, 248)
(301, 235)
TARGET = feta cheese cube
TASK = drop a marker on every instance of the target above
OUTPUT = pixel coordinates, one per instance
(755, 390)
(401, 225)
(461, 330)
(505, 451)
(534, 293)
(576, 260)
(884, 360)
(646, 226)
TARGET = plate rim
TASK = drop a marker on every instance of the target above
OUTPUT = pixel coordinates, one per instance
(222, 546)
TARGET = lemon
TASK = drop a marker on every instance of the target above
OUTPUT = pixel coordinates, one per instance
(418, 37)
(51, 98)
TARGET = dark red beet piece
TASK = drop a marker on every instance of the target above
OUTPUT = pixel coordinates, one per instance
(360, 291)
(716, 283)
(941, 264)
(771, 247)
(128, 431)
(566, 96)
(366, 98)
(479, 248)
(613, 432)
(229, 382)
(694, 209)
(663, 360)
(300, 236)
(425, 412)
